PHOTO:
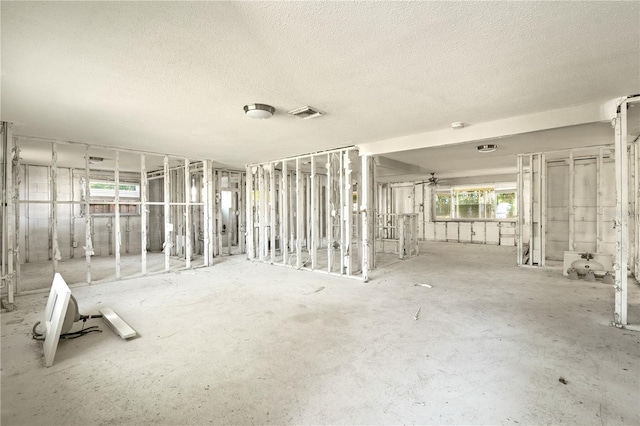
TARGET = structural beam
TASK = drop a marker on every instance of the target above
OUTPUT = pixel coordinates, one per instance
(572, 116)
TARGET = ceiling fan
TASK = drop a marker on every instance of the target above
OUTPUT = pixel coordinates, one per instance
(433, 180)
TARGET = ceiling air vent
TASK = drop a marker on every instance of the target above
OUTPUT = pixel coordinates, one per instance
(305, 112)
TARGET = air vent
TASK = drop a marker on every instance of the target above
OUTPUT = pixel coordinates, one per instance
(305, 112)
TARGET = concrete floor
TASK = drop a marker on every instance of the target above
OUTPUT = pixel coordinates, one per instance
(249, 343)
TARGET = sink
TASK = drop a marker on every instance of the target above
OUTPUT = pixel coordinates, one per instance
(584, 265)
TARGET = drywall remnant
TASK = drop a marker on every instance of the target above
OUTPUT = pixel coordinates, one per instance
(423, 285)
(415, 317)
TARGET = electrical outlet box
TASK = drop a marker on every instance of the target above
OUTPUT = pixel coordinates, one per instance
(75, 244)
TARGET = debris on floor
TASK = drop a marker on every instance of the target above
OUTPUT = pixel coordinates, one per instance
(423, 285)
(563, 380)
(419, 404)
(317, 291)
(415, 317)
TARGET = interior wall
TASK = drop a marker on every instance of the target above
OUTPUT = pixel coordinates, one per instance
(312, 212)
(418, 198)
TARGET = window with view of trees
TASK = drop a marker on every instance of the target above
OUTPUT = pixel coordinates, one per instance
(103, 193)
(475, 203)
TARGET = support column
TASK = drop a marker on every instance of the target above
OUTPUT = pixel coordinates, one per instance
(622, 211)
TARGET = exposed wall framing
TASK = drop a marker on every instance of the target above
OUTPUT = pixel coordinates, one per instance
(567, 199)
(173, 214)
(312, 212)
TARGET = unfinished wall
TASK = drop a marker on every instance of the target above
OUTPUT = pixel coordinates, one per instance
(418, 198)
(569, 202)
(312, 212)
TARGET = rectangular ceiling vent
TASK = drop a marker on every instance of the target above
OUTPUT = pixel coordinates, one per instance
(305, 112)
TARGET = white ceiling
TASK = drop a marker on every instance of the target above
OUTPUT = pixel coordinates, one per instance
(172, 77)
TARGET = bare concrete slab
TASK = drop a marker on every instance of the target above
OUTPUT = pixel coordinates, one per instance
(249, 343)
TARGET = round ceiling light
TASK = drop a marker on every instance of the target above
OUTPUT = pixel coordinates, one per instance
(487, 148)
(260, 111)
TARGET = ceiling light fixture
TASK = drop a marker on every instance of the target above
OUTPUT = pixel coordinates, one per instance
(487, 148)
(259, 111)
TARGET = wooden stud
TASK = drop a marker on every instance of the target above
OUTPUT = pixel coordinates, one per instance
(329, 215)
(347, 208)
(219, 176)
(55, 250)
(284, 217)
(365, 209)
(532, 243)
(167, 222)
(599, 169)
(572, 213)
(117, 233)
(299, 215)
(250, 205)
(144, 185)
(314, 214)
(543, 208)
(262, 241)
(272, 203)
(206, 179)
(520, 212)
(16, 211)
(187, 213)
(636, 204)
(242, 226)
(88, 249)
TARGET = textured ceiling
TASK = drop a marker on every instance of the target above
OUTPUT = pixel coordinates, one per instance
(172, 77)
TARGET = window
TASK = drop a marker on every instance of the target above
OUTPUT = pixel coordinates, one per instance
(103, 193)
(491, 202)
